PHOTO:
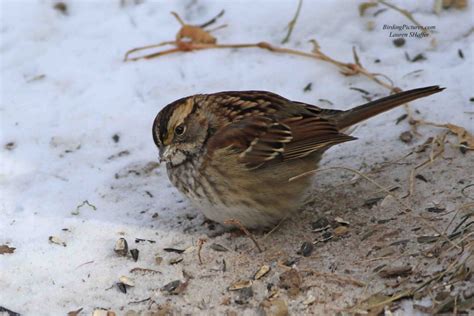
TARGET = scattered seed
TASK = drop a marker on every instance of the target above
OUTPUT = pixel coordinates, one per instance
(341, 221)
(122, 287)
(261, 272)
(400, 242)
(435, 209)
(406, 137)
(306, 249)
(460, 53)
(325, 101)
(103, 312)
(10, 146)
(308, 87)
(240, 284)
(421, 177)
(244, 296)
(218, 247)
(396, 272)
(126, 281)
(57, 241)
(320, 223)
(327, 236)
(371, 202)
(122, 153)
(341, 230)
(144, 270)
(134, 253)
(174, 287)
(401, 118)
(290, 261)
(377, 61)
(175, 260)
(399, 42)
(61, 7)
(418, 57)
(427, 239)
(174, 250)
(360, 90)
(121, 247)
(378, 268)
(137, 240)
(71, 313)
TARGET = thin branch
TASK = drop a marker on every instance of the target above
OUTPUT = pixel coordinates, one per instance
(406, 13)
(292, 23)
(246, 232)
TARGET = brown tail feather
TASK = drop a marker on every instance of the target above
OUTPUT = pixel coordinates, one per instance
(365, 111)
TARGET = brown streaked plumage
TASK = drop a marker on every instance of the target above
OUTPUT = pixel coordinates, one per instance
(232, 153)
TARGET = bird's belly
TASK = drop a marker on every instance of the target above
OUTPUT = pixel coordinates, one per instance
(255, 200)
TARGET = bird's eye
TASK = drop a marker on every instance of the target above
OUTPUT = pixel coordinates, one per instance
(179, 130)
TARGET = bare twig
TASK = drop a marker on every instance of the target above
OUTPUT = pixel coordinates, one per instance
(245, 230)
(201, 242)
(337, 278)
(292, 23)
(406, 13)
(213, 20)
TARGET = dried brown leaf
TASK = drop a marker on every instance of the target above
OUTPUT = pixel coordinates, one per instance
(6, 249)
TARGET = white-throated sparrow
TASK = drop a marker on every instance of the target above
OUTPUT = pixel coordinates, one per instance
(232, 153)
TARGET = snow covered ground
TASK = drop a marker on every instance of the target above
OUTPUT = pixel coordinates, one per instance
(76, 126)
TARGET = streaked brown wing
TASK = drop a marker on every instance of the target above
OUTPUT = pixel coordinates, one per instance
(260, 140)
(311, 134)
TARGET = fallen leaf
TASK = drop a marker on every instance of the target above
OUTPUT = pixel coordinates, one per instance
(6, 249)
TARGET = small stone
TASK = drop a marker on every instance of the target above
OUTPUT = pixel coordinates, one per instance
(399, 42)
(116, 138)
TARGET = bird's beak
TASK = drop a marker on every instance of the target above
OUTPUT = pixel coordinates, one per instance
(164, 153)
